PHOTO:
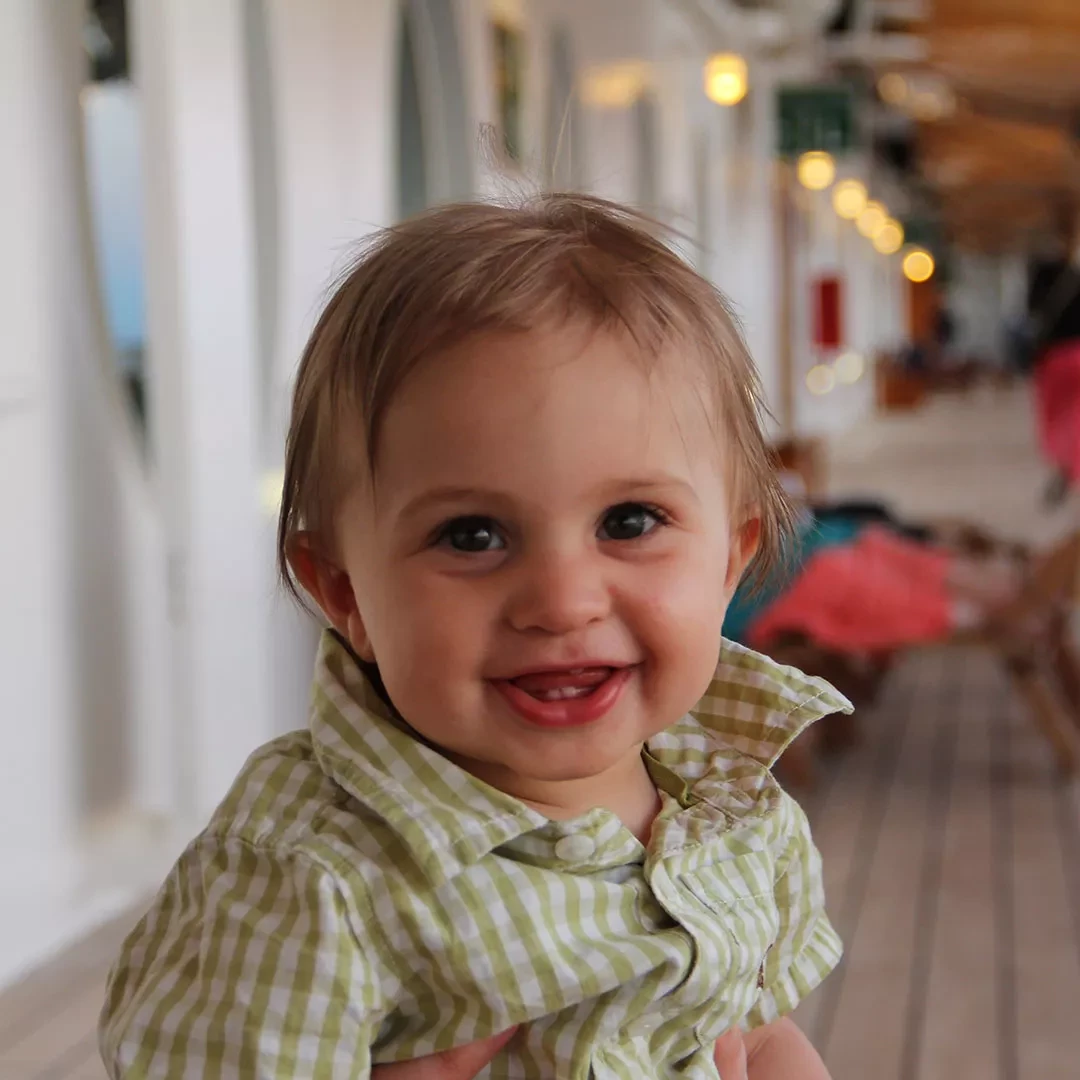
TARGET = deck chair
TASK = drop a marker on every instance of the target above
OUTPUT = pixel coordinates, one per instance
(1045, 672)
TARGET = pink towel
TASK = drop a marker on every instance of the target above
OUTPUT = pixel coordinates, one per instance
(880, 593)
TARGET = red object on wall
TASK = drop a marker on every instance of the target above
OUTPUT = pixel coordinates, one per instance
(828, 313)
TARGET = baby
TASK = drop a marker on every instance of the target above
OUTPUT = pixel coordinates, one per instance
(525, 474)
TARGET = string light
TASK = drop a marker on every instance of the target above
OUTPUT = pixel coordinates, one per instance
(918, 265)
(927, 106)
(893, 88)
(849, 368)
(871, 221)
(889, 238)
(816, 170)
(820, 380)
(849, 199)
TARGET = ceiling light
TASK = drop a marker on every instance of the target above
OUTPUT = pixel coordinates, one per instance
(726, 78)
(820, 380)
(615, 86)
(893, 88)
(271, 485)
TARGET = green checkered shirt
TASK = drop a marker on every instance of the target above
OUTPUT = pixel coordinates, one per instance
(357, 899)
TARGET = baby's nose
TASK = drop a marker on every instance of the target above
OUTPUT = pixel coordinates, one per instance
(558, 594)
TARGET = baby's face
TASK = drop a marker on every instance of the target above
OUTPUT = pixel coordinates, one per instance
(542, 564)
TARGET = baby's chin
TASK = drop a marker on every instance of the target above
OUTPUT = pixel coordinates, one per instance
(571, 766)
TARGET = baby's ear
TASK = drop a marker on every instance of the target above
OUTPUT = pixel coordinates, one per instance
(745, 541)
(328, 584)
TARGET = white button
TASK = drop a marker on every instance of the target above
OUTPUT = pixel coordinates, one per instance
(573, 849)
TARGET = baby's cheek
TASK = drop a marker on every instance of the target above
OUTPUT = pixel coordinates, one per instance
(682, 621)
(690, 589)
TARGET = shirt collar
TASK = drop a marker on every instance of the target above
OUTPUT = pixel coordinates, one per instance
(758, 707)
(450, 820)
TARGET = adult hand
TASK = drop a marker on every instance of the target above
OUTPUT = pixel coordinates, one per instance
(464, 1062)
(461, 1063)
(730, 1055)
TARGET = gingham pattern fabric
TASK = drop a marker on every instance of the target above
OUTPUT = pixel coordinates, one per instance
(358, 899)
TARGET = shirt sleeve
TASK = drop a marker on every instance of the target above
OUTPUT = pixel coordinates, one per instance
(246, 966)
(807, 947)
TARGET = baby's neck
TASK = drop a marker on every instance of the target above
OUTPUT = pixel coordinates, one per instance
(628, 792)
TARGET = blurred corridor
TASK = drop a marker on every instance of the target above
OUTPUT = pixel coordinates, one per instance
(888, 192)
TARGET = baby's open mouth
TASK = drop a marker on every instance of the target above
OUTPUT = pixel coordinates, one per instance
(561, 685)
(565, 697)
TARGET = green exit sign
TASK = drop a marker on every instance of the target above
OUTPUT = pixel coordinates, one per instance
(815, 118)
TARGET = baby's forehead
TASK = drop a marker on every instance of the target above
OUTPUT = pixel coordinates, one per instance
(588, 372)
(539, 415)
(519, 362)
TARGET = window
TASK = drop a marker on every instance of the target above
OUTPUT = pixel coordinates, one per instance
(113, 139)
(508, 49)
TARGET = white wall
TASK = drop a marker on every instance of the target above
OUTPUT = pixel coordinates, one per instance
(38, 201)
(81, 627)
(204, 385)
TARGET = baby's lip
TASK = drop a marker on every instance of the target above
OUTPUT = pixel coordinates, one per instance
(574, 668)
(579, 678)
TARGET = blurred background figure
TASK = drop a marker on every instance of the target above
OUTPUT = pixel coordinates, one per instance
(1053, 346)
(889, 193)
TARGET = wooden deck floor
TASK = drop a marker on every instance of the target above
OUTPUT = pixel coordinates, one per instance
(48, 1021)
(952, 856)
(952, 851)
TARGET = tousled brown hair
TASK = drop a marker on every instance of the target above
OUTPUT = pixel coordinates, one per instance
(456, 271)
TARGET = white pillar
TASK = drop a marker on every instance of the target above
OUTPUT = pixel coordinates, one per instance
(334, 108)
(335, 89)
(476, 40)
(204, 383)
(831, 248)
(675, 143)
(725, 184)
(817, 255)
(751, 277)
(611, 170)
(859, 257)
(892, 289)
(45, 334)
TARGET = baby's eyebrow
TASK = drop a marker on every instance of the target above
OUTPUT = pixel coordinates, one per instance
(656, 485)
(501, 501)
(436, 497)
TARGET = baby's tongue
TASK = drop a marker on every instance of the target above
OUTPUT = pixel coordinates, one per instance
(542, 682)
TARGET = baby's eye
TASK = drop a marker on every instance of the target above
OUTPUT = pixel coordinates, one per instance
(470, 534)
(629, 521)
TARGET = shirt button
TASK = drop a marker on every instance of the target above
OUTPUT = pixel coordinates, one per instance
(573, 849)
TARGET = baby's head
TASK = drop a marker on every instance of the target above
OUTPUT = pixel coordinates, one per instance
(525, 473)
